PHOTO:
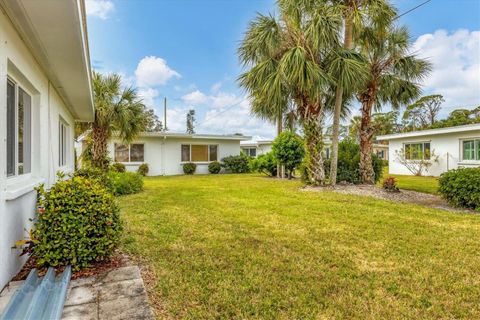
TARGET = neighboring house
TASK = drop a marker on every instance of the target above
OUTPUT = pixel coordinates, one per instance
(166, 152)
(381, 150)
(44, 87)
(256, 146)
(455, 147)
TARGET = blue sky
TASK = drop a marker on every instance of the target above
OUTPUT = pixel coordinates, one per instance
(186, 50)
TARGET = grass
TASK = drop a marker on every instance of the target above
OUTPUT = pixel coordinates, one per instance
(415, 183)
(250, 247)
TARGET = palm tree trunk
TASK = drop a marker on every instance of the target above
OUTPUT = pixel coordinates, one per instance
(99, 147)
(367, 174)
(280, 168)
(314, 146)
(338, 105)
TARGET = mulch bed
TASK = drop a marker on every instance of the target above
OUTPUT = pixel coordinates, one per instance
(116, 261)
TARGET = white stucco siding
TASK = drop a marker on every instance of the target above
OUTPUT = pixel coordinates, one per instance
(163, 155)
(446, 146)
(17, 195)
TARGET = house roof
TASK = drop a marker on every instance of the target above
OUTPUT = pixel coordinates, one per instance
(255, 141)
(195, 136)
(431, 132)
(55, 32)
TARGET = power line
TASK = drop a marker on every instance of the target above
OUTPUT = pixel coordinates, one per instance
(221, 112)
(414, 8)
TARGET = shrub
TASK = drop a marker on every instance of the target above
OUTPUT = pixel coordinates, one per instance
(390, 184)
(289, 151)
(121, 183)
(264, 163)
(189, 168)
(118, 167)
(143, 169)
(461, 187)
(79, 223)
(349, 163)
(236, 164)
(214, 167)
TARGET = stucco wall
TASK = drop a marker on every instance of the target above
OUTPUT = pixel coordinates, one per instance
(17, 195)
(446, 146)
(163, 155)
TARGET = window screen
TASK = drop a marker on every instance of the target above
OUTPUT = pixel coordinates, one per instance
(199, 153)
(136, 152)
(121, 153)
(10, 128)
(213, 152)
(185, 152)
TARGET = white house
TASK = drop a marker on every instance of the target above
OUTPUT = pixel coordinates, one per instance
(256, 146)
(166, 152)
(455, 147)
(44, 87)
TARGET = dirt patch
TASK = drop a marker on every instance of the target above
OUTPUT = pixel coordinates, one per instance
(406, 196)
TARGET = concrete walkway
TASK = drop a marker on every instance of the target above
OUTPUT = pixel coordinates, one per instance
(117, 294)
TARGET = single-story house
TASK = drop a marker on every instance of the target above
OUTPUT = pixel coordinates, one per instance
(381, 150)
(166, 152)
(256, 146)
(455, 147)
(44, 86)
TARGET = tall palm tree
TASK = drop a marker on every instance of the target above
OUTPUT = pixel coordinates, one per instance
(394, 78)
(356, 14)
(292, 59)
(117, 110)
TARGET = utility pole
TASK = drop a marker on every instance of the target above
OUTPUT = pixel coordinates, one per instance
(165, 114)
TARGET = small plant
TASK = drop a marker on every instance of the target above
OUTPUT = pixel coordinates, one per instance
(236, 164)
(78, 223)
(214, 167)
(189, 168)
(143, 169)
(461, 187)
(118, 167)
(264, 163)
(390, 184)
(122, 183)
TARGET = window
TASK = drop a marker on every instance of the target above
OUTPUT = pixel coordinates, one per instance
(381, 154)
(327, 153)
(251, 152)
(199, 152)
(18, 130)
(417, 151)
(471, 149)
(129, 153)
(62, 143)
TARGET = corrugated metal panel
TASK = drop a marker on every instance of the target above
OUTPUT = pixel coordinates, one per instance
(39, 298)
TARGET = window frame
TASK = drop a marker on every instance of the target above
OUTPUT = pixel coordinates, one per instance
(248, 151)
(423, 150)
(17, 85)
(63, 142)
(476, 149)
(198, 144)
(129, 153)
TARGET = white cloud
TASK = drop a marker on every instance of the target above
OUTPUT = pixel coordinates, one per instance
(456, 66)
(148, 96)
(195, 98)
(216, 87)
(99, 8)
(222, 100)
(176, 119)
(153, 71)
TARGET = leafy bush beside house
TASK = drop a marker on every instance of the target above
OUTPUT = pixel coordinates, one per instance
(236, 164)
(214, 167)
(461, 187)
(143, 169)
(189, 168)
(288, 149)
(122, 183)
(264, 163)
(79, 223)
(118, 167)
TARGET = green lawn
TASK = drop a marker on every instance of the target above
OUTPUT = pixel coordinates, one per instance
(421, 184)
(250, 247)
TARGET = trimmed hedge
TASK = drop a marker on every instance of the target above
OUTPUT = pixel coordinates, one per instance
(189, 168)
(118, 167)
(78, 223)
(143, 169)
(121, 183)
(461, 187)
(236, 164)
(214, 167)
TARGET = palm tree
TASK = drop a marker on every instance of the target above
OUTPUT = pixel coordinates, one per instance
(356, 13)
(117, 110)
(394, 78)
(292, 59)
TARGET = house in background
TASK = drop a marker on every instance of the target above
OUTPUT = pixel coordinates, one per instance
(456, 147)
(256, 146)
(44, 86)
(381, 150)
(166, 152)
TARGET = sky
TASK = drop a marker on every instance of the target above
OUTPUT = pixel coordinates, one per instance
(186, 51)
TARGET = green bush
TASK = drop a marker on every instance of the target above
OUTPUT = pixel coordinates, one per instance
(236, 164)
(289, 151)
(264, 163)
(79, 224)
(214, 167)
(121, 183)
(143, 169)
(189, 168)
(118, 167)
(461, 187)
(348, 169)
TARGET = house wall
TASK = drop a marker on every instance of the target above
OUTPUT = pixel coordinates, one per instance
(446, 146)
(261, 148)
(163, 155)
(17, 195)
